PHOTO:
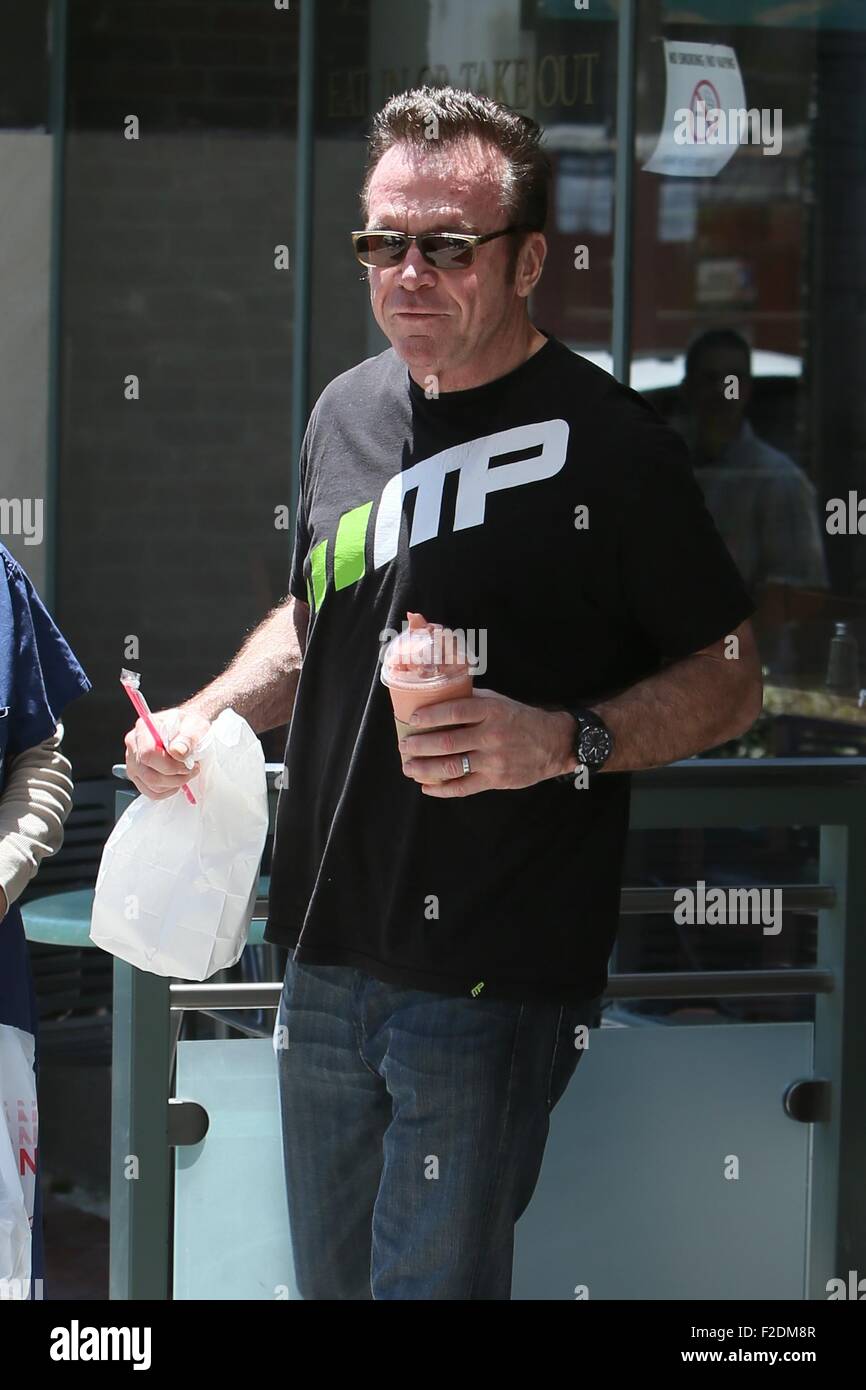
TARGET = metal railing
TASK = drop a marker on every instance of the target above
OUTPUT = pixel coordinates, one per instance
(827, 793)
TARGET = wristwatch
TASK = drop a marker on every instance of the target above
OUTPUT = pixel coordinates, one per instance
(593, 740)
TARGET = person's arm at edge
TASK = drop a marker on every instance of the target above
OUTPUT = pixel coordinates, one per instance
(696, 703)
(34, 805)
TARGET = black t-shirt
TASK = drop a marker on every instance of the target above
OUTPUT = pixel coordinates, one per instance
(468, 508)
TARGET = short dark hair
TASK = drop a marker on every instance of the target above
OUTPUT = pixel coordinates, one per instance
(406, 119)
(717, 338)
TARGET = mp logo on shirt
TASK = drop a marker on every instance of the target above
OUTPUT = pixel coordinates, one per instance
(544, 446)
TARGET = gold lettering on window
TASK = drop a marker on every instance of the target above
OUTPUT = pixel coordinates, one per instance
(564, 80)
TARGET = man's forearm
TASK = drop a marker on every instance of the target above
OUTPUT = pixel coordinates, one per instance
(690, 706)
(261, 681)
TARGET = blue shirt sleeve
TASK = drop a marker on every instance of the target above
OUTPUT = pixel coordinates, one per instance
(45, 675)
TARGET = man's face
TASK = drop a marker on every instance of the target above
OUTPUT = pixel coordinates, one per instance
(441, 320)
(716, 403)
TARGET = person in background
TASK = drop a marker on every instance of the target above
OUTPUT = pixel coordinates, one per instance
(39, 677)
(762, 503)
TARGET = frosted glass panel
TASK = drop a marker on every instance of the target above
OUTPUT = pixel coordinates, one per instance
(231, 1227)
(633, 1201)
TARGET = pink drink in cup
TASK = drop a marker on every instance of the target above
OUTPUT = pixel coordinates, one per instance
(422, 666)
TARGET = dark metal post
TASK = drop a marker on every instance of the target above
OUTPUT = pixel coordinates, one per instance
(57, 126)
(302, 252)
(624, 189)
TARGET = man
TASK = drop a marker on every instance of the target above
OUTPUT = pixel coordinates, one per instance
(452, 907)
(762, 503)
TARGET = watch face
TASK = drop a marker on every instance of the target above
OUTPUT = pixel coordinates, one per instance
(595, 745)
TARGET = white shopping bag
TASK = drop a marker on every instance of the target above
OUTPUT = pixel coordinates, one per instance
(177, 883)
(18, 1141)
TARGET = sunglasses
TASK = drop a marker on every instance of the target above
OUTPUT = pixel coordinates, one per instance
(444, 250)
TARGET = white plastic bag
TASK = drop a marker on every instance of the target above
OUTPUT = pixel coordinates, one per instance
(177, 883)
(18, 1141)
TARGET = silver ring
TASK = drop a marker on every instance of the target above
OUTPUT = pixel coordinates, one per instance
(466, 768)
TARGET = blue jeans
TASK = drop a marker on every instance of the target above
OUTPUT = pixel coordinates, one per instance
(414, 1126)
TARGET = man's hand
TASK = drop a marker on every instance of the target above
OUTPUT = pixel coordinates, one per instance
(4, 904)
(509, 745)
(158, 774)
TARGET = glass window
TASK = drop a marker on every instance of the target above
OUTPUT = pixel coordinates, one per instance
(747, 331)
(748, 278)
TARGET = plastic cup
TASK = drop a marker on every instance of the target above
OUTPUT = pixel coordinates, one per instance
(419, 668)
